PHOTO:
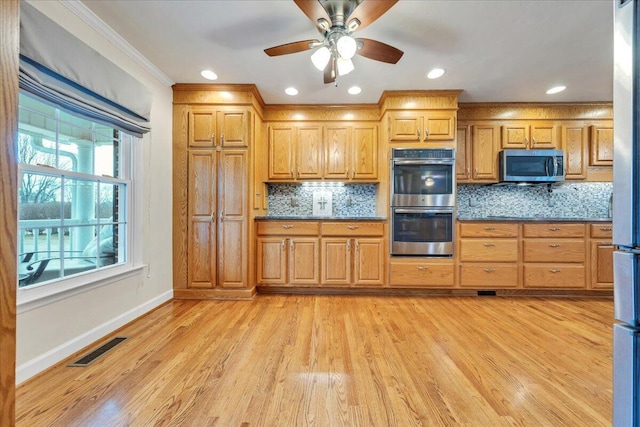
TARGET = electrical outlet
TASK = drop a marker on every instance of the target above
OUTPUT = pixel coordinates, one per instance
(552, 202)
(349, 201)
(294, 201)
(473, 203)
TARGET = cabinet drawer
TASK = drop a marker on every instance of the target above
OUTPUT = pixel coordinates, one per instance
(489, 276)
(554, 276)
(489, 250)
(601, 231)
(352, 229)
(489, 229)
(425, 275)
(553, 230)
(548, 250)
(289, 228)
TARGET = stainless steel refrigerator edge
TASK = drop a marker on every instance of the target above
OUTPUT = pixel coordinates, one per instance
(626, 175)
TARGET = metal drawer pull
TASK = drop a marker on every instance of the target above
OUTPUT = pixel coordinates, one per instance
(489, 270)
(554, 228)
(554, 270)
(488, 245)
(352, 227)
(424, 267)
(554, 245)
(605, 228)
(287, 226)
(489, 228)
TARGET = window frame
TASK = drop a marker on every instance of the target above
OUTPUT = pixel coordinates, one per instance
(39, 294)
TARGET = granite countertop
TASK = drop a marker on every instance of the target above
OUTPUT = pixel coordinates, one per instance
(531, 218)
(320, 218)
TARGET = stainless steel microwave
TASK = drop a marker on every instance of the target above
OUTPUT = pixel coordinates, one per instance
(531, 165)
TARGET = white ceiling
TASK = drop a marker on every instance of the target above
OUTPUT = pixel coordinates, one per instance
(500, 50)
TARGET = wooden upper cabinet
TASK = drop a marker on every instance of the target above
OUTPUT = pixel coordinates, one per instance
(575, 144)
(281, 152)
(525, 135)
(601, 145)
(337, 152)
(219, 127)
(364, 152)
(419, 126)
(477, 153)
(309, 152)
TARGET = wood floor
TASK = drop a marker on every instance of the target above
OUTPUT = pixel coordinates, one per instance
(343, 360)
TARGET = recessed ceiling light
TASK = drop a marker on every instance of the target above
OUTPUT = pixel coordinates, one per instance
(354, 90)
(291, 91)
(208, 74)
(556, 89)
(435, 73)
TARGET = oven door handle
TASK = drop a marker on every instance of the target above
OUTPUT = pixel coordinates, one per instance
(423, 211)
(424, 162)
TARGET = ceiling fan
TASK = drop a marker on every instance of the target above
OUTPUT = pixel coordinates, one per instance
(337, 20)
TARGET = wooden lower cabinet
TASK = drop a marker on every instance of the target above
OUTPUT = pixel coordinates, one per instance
(601, 254)
(422, 273)
(352, 262)
(488, 276)
(554, 276)
(288, 261)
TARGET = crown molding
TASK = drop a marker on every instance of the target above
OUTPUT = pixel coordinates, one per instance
(87, 15)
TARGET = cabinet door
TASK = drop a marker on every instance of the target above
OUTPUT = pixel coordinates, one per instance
(234, 127)
(202, 213)
(405, 126)
(309, 155)
(574, 143)
(438, 126)
(463, 158)
(304, 261)
(601, 146)
(543, 135)
(202, 127)
(232, 223)
(601, 265)
(369, 262)
(364, 156)
(484, 153)
(281, 140)
(271, 258)
(336, 261)
(515, 135)
(336, 159)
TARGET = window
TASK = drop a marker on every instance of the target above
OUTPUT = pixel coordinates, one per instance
(73, 195)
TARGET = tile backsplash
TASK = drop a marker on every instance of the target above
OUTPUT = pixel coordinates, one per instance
(566, 200)
(348, 200)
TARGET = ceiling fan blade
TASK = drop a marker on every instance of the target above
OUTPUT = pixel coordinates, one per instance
(370, 10)
(330, 72)
(314, 10)
(294, 47)
(379, 51)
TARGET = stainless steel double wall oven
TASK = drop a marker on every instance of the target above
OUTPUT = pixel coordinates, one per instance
(423, 195)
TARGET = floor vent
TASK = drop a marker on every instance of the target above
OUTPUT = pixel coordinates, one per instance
(486, 293)
(95, 354)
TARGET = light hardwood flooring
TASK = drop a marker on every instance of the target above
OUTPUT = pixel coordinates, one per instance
(296, 360)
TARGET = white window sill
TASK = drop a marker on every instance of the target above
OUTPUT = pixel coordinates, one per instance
(35, 296)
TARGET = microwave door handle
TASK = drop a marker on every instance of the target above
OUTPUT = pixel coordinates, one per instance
(423, 162)
(546, 166)
(555, 166)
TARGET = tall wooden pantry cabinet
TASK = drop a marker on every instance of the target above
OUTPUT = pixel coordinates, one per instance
(212, 142)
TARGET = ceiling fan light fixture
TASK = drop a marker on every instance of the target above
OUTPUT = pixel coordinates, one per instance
(320, 58)
(324, 24)
(346, 46)
(353, 25)
(345, 66)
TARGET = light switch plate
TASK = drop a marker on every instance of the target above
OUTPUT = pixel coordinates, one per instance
(322, 203)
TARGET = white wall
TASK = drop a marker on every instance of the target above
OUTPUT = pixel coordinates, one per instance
(49, 333)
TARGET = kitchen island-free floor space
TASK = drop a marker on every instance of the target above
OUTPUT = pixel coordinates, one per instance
(293, 360)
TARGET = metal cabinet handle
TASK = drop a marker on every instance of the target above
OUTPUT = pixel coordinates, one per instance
(468, 172)
(353, 174)
(526, 142)
(291, 245)
(488, 245)
(291, 172)
(348, 245)
(555, 270)
(298, 172)
(489, 228)
(222, 215)
(534, 142)
(605, 228)
(554, 245)
(212, 218)
(423, 267)
(426, 134)
(352, 227)
(213, 138)
(357, 246)
(287, 226)
(283, 244)
(475, 173)
(222, 139)
(554, 229)
(346, 174)
(489, 270)
(418, 134)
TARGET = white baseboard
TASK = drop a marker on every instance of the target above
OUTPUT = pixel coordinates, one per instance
(61, 352)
